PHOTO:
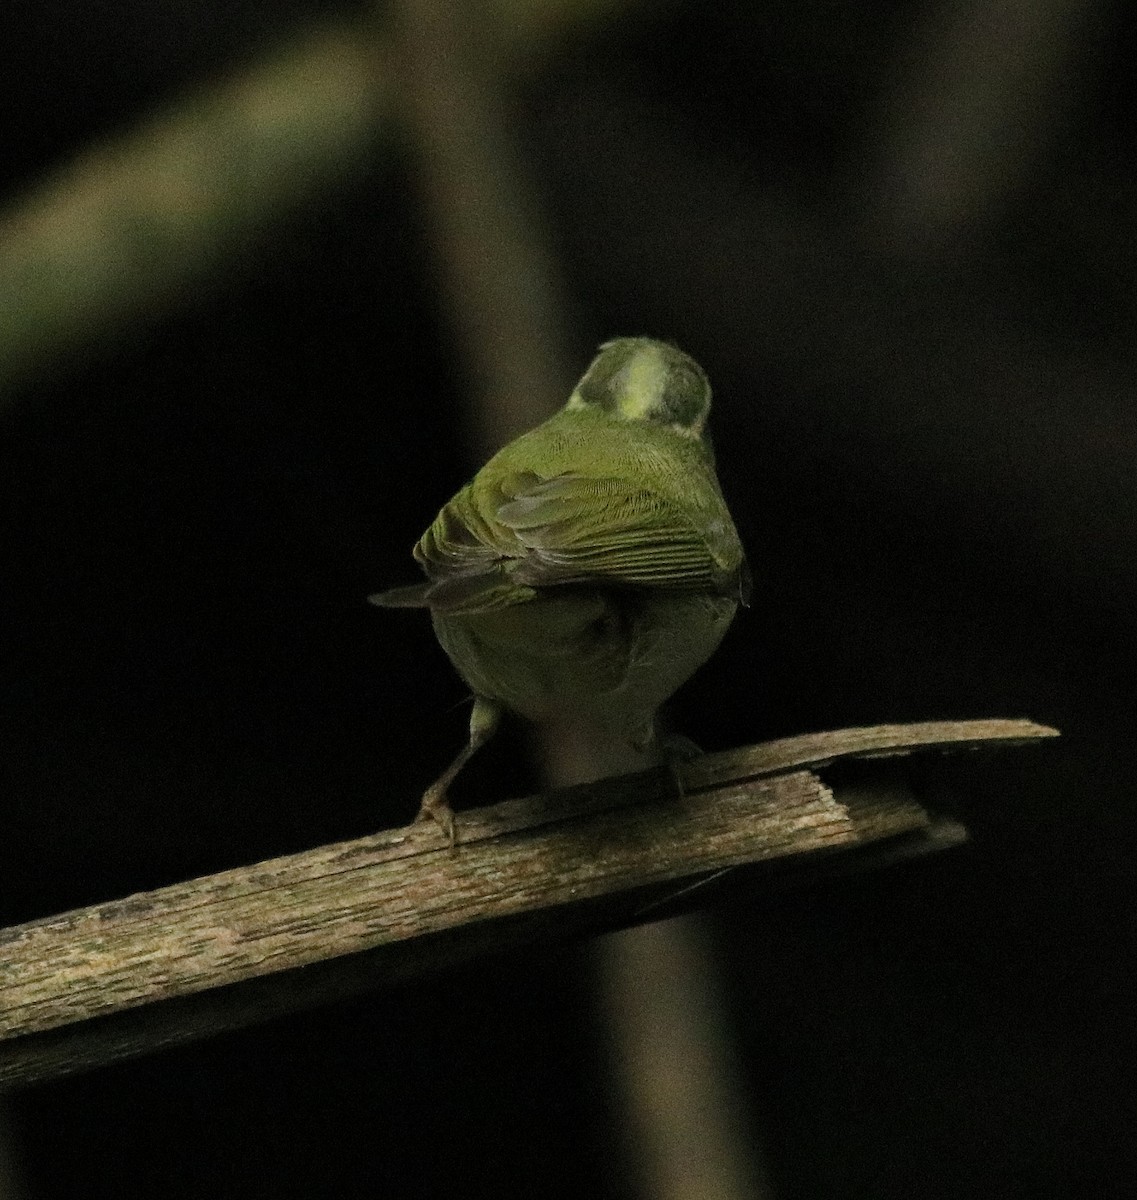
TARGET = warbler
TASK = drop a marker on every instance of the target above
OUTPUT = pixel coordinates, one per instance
(591, 566)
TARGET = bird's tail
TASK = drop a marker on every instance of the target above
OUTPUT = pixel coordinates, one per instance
(411, 595)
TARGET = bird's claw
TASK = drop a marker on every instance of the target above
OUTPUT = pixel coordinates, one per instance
(437, 808)
(677, 752)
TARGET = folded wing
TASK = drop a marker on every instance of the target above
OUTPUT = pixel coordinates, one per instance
(500, 545)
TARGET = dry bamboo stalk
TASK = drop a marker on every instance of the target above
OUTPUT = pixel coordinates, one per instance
(536, 859)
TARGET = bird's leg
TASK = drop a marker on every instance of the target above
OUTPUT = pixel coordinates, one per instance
(677, 750)
(435, 806)
(673, 748)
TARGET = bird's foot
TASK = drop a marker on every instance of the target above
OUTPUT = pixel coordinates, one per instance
(436, 807)
(678, 750)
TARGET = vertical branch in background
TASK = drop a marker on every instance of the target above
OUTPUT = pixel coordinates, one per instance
(669, 1039)
(498, 281)
(502, 295)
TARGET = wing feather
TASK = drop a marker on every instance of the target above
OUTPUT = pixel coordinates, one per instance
(497, 547)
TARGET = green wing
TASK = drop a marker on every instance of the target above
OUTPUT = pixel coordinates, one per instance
(496, 545)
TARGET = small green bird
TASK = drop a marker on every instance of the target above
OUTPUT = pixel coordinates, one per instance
(591, 566)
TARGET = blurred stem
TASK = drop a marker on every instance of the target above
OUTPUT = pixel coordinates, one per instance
(123, 232)
(502, 295)
(685, 1101)
(133, 225)
(499, 286)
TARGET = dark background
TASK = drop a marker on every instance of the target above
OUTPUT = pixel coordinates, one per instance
(926, 428)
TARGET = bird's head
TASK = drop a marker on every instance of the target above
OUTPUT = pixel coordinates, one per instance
(641, 379)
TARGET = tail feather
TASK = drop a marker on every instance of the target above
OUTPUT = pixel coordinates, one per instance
(411, 595)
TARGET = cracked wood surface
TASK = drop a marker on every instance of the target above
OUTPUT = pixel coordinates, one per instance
(400, 896)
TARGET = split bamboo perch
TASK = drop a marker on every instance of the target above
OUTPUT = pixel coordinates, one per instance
(162, 967)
